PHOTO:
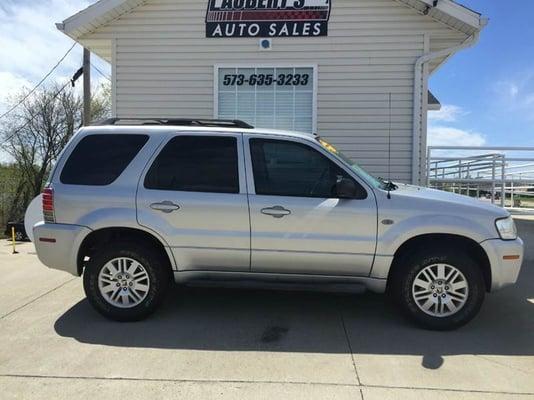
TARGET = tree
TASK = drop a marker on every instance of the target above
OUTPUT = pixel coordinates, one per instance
(36, 133)
(9, 179)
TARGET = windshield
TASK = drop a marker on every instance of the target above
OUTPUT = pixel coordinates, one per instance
(376, 182)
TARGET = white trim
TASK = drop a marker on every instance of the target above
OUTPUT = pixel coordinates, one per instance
(216, 68)
(114, 77)
(418, 97)
(314, 97)
(457, 11)
(86, 18)
(315, 68)
(424, 116)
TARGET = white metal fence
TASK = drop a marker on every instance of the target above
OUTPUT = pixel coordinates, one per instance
(502, 175)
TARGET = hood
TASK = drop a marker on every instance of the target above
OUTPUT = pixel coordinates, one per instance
(447, 201)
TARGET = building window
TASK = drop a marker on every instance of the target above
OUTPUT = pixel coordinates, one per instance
(267, 97)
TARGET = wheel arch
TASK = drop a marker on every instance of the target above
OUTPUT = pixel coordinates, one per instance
(456, 242)
(102, 236)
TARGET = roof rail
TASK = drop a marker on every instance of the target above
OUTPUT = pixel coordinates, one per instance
(222, 123)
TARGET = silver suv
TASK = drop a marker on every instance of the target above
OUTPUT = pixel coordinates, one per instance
(134, 205)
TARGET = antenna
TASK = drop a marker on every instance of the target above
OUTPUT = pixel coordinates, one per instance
(389, 147)
(389, 139)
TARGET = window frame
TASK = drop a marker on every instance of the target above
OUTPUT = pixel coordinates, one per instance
(315, 85)
(314, 146)
(240, 162)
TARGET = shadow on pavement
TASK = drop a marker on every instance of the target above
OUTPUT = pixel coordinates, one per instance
(241, 320)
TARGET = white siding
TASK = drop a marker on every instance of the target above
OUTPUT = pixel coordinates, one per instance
(164, 67)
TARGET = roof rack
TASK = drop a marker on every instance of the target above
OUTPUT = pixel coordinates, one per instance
(221, 123)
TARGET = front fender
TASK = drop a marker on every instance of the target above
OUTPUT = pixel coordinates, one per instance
(391, 237)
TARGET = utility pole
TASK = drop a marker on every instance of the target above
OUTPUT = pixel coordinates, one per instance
(86, 87)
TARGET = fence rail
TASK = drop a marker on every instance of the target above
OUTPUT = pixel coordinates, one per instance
(491, 173)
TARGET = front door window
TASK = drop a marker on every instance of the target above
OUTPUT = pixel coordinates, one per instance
(285, 168)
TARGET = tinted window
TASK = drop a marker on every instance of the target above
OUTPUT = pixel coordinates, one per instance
(283, 168)
(196, 164)
(100, 159)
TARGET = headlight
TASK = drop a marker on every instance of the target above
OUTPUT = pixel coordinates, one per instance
(506, 228)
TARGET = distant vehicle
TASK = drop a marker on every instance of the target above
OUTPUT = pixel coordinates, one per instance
(218, 202)
(20, 231)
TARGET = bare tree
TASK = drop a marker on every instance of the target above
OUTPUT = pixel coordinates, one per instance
(35, 134)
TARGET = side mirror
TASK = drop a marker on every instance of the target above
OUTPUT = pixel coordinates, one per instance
(346, 189)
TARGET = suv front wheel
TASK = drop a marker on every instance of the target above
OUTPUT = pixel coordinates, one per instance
(125, 281)
(439, 289)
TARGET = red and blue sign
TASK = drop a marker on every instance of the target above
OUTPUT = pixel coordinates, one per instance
(267, 18)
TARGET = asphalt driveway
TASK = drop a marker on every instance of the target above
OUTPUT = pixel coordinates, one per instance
(208, 343)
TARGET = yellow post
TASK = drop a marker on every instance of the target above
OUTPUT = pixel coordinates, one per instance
(13, 239)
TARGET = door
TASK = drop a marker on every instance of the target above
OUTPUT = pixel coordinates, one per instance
(194, 195)
(298, 225)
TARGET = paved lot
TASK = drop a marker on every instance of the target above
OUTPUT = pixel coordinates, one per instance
(249, 344)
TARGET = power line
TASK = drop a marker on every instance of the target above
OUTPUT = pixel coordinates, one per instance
(100, 72)
(35, 116)
(71, 81)
(40, 82)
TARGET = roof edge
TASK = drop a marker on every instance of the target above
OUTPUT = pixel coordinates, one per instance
(433, 103)
(458, 11)
(89, 14)
(72, 24)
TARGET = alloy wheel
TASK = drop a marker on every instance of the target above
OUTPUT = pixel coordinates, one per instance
(440, 290)
(123, 282)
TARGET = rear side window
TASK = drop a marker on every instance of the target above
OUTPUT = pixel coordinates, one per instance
(196, 164)
(98, 160)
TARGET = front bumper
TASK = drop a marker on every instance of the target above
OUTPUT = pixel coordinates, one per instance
(504, 268)
(57, 245)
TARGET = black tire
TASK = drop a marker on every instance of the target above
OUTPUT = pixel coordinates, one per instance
(407, 269)
(154, 264)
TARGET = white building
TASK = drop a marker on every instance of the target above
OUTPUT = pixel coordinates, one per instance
(328, 66)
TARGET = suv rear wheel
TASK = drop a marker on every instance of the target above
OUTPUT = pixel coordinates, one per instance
(439, 289)
(126, 281)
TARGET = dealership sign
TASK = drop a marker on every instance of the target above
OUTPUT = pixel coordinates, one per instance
(267, 18)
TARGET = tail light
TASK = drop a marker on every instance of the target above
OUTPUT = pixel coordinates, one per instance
(48, 205)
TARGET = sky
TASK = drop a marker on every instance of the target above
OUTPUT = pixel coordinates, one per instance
(30, 45)
(487, 92)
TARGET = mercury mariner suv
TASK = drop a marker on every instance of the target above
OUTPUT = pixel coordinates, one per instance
(135, 205)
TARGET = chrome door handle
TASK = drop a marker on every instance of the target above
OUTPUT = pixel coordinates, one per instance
(276, 211)
(165, 206)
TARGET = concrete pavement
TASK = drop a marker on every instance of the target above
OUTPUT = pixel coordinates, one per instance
(227, 344)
